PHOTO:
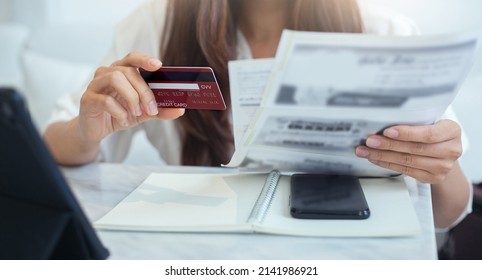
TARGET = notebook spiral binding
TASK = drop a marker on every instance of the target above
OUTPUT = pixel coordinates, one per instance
(263, 202)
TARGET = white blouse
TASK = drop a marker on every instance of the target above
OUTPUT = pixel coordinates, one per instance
(141, 32)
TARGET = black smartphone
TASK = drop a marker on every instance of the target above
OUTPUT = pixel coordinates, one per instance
(320, 196)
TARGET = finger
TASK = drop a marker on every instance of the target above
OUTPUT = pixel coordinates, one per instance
(429, 164)
(441, 131)
(101, 71)
(170, 113)
(448, 149)
(164, 114)
(109, 105)
(419, 174)
(139, 60)
(116, 83)
(146, 97)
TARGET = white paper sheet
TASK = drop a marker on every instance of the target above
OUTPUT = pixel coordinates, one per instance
(326, 93)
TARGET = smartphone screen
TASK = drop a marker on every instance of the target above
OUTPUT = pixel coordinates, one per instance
(319, 196)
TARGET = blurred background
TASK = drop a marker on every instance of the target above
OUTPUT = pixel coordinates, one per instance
(51, 47)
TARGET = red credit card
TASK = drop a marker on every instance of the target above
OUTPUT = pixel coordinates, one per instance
(185, 87)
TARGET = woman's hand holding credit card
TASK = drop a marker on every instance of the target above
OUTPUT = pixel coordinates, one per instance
(118, 98)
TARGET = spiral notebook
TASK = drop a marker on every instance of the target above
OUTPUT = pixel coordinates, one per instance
(252, 203)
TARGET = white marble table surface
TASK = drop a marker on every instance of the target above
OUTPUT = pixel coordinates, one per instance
(99, 187)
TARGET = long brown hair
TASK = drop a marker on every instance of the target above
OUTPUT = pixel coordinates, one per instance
(203, 33)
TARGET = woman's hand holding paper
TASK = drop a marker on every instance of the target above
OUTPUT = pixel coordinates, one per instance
(427, 153)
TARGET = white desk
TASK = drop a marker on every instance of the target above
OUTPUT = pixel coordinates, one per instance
(99, 187)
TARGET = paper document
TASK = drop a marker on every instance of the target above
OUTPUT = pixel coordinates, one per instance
(323, 94)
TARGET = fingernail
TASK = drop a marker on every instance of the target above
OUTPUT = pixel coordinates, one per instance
(376, 162)
(373, 142)
(362, 152)
(138, 110)
(125, 123)
(155, 62)
(153, 108)
(392, 133)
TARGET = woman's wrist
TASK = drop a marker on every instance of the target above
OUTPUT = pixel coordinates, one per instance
(450, 198)
(67, 146)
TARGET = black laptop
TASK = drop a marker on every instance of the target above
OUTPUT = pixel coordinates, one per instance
(39, 216)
